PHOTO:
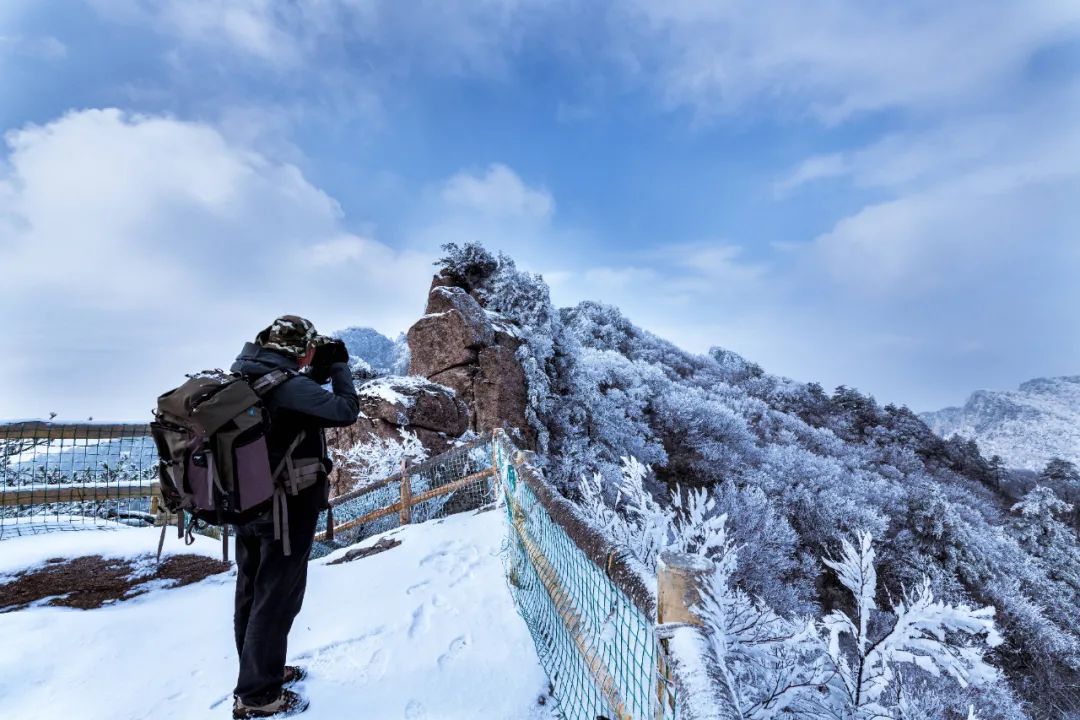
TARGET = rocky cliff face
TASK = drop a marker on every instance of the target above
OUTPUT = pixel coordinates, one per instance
(1026, 427)
(463, 375)
(460, 345)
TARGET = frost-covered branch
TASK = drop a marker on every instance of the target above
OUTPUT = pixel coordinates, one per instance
(928, 633)
(781, 667)
(689, 524)
(379, 457)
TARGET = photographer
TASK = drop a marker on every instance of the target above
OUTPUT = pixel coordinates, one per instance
(272, 554)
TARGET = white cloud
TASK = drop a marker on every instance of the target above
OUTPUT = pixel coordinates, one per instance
(498, 192)
(449, 39)
(831, 60)
(964, 195)
(838, 58)
(263, 30)
(963, 276)
(44, 47)
(136, 249)
(816, 167)
(968, 241)
(346, 249)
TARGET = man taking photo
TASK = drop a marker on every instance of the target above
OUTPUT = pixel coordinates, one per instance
(272, 550)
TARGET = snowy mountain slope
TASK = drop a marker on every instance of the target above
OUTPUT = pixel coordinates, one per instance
(1027, 427)
(796, 470)
(385, 356)
(424, 630)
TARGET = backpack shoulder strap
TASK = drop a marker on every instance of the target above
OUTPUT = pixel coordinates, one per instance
(271, 380)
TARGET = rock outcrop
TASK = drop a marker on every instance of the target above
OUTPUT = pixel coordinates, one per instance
(462, 346)
(464, 374)
(451, 334)
(430, 410)
(391, 404)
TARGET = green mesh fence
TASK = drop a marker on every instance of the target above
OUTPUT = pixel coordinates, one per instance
(599, 650)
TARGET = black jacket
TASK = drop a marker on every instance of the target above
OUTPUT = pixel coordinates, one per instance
(300, 403)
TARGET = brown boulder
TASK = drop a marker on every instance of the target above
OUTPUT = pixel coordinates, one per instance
(443, 298)
(443, 279)
(444, 340)
(414, 404)
(460, 380)
(500, 390)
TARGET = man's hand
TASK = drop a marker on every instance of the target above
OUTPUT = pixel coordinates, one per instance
(328, 351)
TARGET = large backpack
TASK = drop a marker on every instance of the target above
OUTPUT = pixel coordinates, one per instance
(214, 464)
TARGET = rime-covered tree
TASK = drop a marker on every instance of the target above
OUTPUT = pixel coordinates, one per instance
(1063, 477)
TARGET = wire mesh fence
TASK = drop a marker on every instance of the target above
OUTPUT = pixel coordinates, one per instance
(594, 628)
(591, 618)
(61, 476)
(456, 481)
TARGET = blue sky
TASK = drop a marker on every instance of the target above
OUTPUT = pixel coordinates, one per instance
(883, 195)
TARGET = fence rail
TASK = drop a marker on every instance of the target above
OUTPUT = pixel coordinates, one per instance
(73, 493)
(41, 430)
(458, 480)
(65, 476)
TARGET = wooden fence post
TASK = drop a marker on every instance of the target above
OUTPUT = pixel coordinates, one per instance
(698, 673)
(405, 514)
(679, 579)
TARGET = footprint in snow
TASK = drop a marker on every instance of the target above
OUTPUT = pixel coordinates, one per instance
(456, 560)
(358, 661)
(418, 586)
(421, 621)
(415, 710)
(457, 646)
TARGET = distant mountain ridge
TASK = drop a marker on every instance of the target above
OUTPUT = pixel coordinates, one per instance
(383, 355)
(1027, 427)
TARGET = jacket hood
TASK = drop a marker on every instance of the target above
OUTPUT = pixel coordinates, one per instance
(255, 361)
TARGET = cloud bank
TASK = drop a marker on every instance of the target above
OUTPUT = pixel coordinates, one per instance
(138, 248)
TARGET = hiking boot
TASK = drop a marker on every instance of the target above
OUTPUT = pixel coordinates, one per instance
(293, 674)
(287, 703)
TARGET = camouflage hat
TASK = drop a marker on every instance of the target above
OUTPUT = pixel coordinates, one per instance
(289, 334)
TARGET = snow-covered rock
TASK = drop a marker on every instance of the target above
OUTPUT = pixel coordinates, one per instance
(414, 403)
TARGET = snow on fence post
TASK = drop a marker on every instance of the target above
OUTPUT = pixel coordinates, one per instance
(704, 693)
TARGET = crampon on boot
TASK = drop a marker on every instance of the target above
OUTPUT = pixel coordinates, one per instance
(287, 704)
(293, 674)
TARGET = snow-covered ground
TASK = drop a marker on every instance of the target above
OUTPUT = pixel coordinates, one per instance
(424, 630)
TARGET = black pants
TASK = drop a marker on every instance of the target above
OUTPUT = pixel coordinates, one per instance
(269, 593)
